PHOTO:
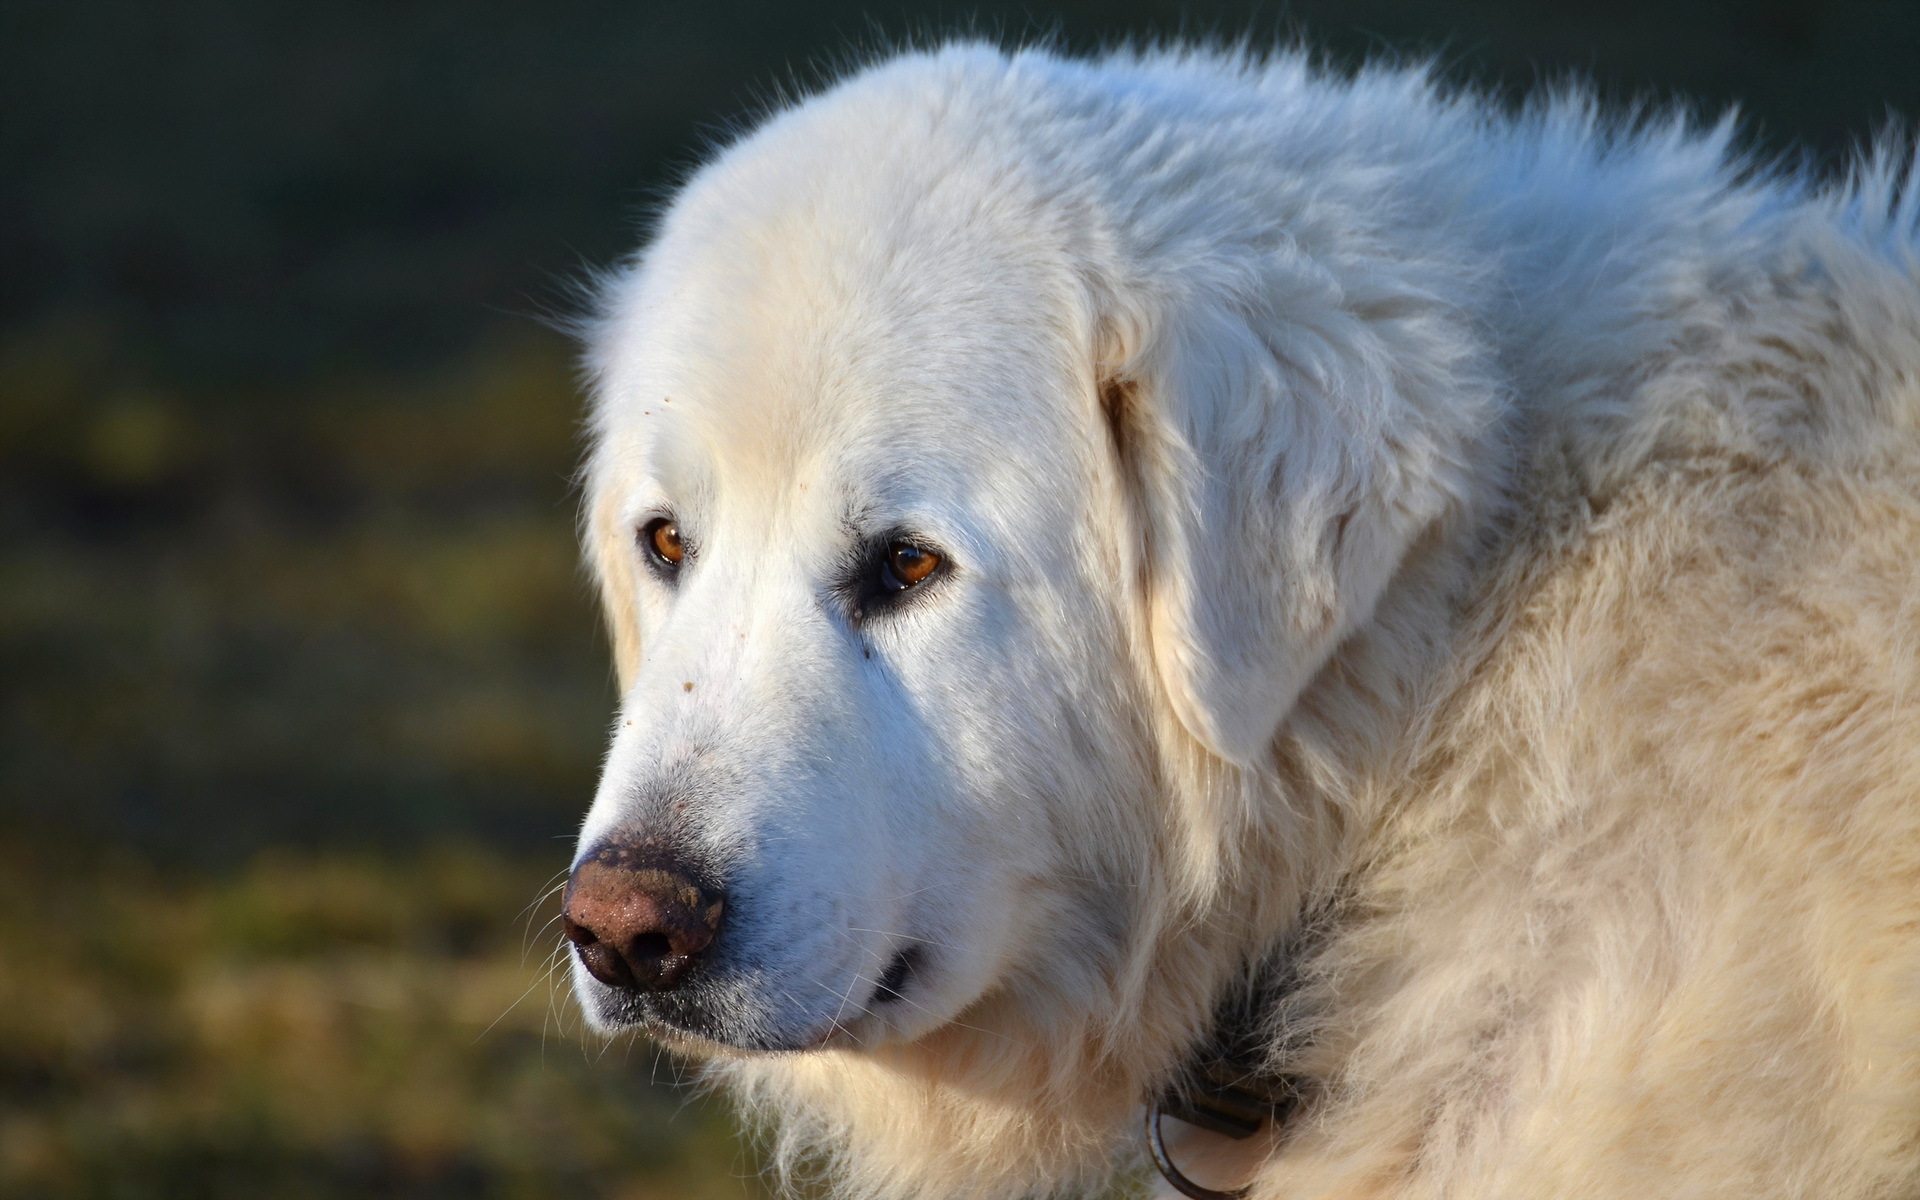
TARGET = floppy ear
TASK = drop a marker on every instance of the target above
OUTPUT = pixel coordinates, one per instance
(1283, 465)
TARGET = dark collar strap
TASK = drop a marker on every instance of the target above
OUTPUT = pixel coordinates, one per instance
(1225, 1088)
(1216, 1097)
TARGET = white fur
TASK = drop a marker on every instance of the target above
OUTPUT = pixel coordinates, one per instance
(1499, 536)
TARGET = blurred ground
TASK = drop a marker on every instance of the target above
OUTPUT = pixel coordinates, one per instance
(302, 699)
(326, 614)
(318, 1026)
(301, 690)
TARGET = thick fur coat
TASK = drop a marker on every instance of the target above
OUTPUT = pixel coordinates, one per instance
(1472, 557)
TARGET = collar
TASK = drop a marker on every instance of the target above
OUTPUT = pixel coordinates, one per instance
(1226, 1086)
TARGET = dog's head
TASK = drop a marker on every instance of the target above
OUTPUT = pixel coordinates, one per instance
(974, 492)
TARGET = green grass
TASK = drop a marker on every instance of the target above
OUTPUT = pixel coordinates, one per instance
(320, 1026)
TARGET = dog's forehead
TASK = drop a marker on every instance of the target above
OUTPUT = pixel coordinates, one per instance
(826, 306)
(851, 446)
(783, 391)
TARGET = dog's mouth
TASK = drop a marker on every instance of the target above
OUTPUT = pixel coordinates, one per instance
(685, 1025)
(717, 1011)
(894, 981)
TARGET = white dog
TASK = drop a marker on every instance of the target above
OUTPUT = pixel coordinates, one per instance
(1128, 570)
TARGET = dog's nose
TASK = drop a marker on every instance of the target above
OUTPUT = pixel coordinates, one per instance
(636, 917)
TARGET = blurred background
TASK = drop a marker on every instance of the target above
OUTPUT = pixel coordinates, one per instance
(301, 689)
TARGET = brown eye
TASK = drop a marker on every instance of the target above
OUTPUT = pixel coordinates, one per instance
(662, 539)
(908, 564)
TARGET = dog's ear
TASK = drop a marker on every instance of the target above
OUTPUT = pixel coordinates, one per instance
(1282, 468)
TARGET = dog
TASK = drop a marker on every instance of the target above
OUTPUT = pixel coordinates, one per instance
(1122, 567)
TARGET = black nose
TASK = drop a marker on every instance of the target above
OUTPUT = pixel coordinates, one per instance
(636, 917)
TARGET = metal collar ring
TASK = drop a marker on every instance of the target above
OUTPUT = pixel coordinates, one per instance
(1157, 1146)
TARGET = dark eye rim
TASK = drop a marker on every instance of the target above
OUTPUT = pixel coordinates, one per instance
(659, 563)
(874, 589)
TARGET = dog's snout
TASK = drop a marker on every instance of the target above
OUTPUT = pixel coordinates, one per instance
(637, 918)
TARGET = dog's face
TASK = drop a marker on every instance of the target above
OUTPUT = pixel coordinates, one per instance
(854, 519)
(941, 515)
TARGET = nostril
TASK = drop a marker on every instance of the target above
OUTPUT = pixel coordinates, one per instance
(606, 966)
(650, 946)
(576, 933)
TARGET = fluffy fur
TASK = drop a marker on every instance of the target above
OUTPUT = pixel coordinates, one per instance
(1496, 536)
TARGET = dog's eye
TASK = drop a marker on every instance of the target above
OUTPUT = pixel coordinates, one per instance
(662, 541)
(887, 573)
(907, 564)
